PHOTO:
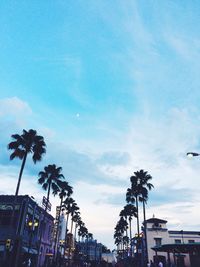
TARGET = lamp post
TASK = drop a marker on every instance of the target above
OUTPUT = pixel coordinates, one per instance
(192, 154)
(32, 226)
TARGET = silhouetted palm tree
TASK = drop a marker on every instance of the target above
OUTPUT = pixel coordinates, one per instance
(140, 186)
(27, 143)
(67, 203)
(145, 187)
(50, 178)
(75, 214)
(64, 190)
(78, 222)
(128, 212)
(122, 227)
(132, 197)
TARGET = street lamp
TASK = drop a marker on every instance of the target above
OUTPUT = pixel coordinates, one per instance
(32, 227)
(192, 154)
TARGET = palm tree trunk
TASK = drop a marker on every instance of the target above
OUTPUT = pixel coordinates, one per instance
(145, 231)
(75, 231)
(71, 241)
(48, 193)
(138, 230)
(138, 223)
(66, 231)
(20, 174)
(130, 236)
(72, 222)
(15, 201)
(57, 231)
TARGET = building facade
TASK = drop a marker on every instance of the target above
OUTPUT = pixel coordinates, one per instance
(89, 250)
(25, 231)
(175, 247)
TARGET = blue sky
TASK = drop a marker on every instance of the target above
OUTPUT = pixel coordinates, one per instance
(113, 86)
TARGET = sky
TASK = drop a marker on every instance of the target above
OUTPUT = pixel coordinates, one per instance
(113, 87)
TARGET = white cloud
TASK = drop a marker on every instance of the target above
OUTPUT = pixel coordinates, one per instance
(14, 106)
(184, 46)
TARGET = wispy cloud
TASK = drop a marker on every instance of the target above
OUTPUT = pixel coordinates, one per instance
(14, 106)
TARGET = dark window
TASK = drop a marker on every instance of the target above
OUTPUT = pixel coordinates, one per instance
(191, 241)
(177, 241)
(158, 241)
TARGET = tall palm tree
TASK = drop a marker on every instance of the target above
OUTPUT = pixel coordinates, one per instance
(67, 203)
(128, 212)
(27, 143)
(140, 185)
(50, 179)
(75, 214)
(64, 190)
(71, 207)
(78, 222)
(145, 187)
(122, 227)
(22, 145)
(81, 230)
(132, 196)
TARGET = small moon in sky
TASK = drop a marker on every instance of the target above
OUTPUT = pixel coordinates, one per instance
(77, 115)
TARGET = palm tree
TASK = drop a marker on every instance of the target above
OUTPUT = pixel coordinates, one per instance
(22, 145)
(78, 222)
(80, 230)
(132, 197)
(71, 207)
(128, 212)
(122, 227)
(67, 203)
(145, 187)
(75, 214)
(50, 179)
(27, 143)
(64, 190)
(140, 186)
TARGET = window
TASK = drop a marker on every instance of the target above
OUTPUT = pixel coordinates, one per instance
(158, 241)
(191, 241)
(177, 241)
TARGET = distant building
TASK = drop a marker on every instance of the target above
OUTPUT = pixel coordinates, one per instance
(89, 250)
(175, 247)
(29, 236)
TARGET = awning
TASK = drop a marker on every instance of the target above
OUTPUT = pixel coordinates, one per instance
(178, 248)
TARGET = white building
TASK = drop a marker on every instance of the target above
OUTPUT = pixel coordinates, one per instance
(180, 247)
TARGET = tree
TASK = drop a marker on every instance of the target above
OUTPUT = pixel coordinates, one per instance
(128, 212)
(120, 228)
(67, 203)
(145, 187)
(140, 186)
(27, 143)
(78, 222)
(50, 179)
(64, 190)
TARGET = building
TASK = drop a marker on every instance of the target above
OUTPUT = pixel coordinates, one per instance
(59, 232)
(89, 250)
(176, 247)
(25, 232)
